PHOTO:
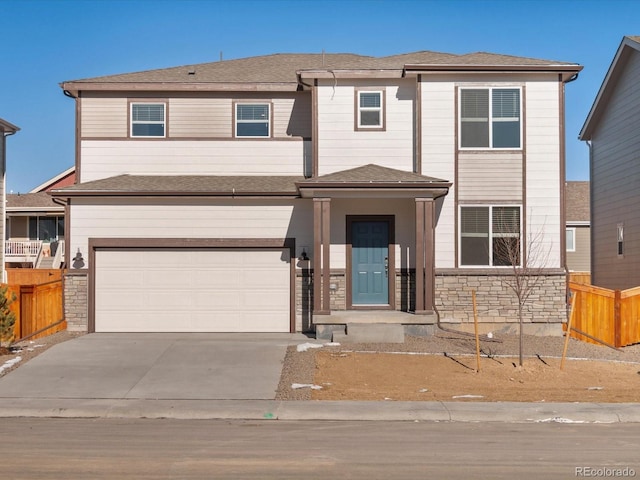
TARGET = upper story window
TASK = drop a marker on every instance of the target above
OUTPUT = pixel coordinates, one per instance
(370, 114)
(148, 120)
(253, 120)
(490, 236)
(620, 242)
(490, 118)
(571, 239)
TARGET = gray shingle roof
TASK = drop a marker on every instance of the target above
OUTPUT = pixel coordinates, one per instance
(184, 185)
(372, 174)
(283, 67)
(17, 201)
(577, 202)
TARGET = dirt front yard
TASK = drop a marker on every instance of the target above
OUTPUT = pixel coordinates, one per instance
(443, 368)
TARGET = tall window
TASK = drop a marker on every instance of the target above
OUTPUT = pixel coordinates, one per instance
(571, 239)
(370, 110)
(490, 236)
(490, 118)
(46, 228)
(252, 120)
(620, 239)
(147, 119)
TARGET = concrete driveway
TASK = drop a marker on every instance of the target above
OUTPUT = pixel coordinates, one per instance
(155, 366)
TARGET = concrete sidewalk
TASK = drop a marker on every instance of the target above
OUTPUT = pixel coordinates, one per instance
(225, 376)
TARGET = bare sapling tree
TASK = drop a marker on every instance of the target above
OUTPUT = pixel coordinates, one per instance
(527, 260)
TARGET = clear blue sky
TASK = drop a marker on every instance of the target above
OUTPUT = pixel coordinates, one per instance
(48, 41)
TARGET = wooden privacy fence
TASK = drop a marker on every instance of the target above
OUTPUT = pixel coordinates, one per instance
(611, 316)
(38, 309)
(580, 277)
(33, 276)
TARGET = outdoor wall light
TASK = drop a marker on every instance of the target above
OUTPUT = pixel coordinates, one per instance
(78, 261)
(303, 255)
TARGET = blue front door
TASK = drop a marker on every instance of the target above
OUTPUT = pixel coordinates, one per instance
(370, 262)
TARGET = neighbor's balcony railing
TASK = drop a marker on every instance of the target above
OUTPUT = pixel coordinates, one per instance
(22, 250)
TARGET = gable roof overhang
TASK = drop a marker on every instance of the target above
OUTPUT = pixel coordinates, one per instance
(628, 46)
(567, 72)
(373, 181)
(8, 128)
(73, 88)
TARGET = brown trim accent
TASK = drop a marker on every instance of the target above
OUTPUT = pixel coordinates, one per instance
(317, 257)
(391, 221)
(523, 209)
(314, 128)
(196, 139)
(456, 168)
(420, 255)
(67, 234)
(326, 254)
(181, 193)
(430, 256)
(563, 169)
(130, 102)
(418, 128)
(356, 116)
(199, 243)
(247, 101)
(462, 68)
(78, 132)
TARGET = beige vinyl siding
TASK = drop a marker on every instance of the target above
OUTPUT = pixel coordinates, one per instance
(614, 183)
(200, 117)
(543, 164)
(580, 260)
(438, 147)
(191, 116)
(104, 117)
(341, 147)
(103, 159)
(181, 218)
(490, 176)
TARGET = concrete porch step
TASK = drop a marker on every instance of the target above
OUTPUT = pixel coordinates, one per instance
(370, 333)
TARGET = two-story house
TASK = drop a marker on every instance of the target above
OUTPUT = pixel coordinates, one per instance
(301, 192)
(611, 131)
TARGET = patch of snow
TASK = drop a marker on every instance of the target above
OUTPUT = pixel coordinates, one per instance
(9, 363)
(296, 386)
(559, 420)
(332, 344)
(595, 388)
(468, 396)
(303, 347)
(490, 335)
(423, 390)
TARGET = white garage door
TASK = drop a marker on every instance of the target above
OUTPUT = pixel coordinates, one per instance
(192, 290)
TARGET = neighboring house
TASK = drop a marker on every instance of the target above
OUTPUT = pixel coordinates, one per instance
(6, 129)
(302, 192)
(611, 131)
(578, 230)
(35, 225)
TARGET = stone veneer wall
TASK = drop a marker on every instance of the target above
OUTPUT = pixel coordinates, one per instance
(76, 301)
(496, 302)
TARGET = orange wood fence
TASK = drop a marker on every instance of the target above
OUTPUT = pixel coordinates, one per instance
(33, 276)
(38, 307)
(580, 277)
(611, 316)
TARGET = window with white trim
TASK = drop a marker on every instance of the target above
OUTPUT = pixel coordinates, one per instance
(620, 243)
(148, 119)
(490, 236)
(490, 118)
(370, 110)
(571, 239)
(253, 120)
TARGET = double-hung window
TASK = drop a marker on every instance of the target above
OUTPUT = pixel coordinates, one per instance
(490, 118)
(490, 236)
(571, 239)
(370, 114)
(253, 120)
(148, 120)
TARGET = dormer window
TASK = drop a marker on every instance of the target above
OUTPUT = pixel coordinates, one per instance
(253, 120)
(148, 120)
(370, 110)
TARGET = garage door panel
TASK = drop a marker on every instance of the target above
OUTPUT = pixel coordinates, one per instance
(192, 291)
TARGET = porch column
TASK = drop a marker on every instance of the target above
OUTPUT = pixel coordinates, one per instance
(321, 258)
(425, 256)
